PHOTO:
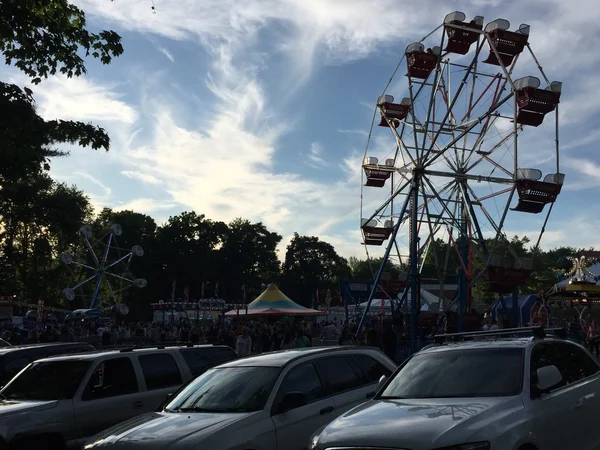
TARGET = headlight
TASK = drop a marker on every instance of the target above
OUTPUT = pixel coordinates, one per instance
(471, 446)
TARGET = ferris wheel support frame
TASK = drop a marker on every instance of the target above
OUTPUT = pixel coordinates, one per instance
(386, 256)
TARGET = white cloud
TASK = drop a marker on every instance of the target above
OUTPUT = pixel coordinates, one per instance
(145, 205)
(144, 177)
(167, 53)
(315, 158)
(82, 99)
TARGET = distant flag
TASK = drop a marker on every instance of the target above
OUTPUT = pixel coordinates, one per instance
(202, 294)
(317, 297)
(186, 294)
(312, 302)
(217, 290)
(328, 298)
(243, 293)
(173, 290)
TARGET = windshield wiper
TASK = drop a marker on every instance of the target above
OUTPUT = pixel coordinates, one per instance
(195, 409)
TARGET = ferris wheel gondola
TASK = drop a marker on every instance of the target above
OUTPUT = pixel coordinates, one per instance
(456, 155)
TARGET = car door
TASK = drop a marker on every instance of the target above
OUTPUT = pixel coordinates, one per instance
(549, 412)
(295, 427)
(372, 371)
(343, 381)
(583, 374)
(110, 395)
(162, 377)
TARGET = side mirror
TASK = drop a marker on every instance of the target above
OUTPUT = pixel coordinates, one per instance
(381, 382)
(548, 377)
(292, 400)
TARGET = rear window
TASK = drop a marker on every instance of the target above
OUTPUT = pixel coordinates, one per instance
(200, 359)
(160, 371)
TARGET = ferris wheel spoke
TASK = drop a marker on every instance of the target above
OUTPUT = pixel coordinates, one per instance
(114, 263)
(90, 249)
(87, 280)
(482, 155)
(114, 275)
(456, 97)
(491, 110)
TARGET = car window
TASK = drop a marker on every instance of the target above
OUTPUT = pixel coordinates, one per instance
(227, 390)
(160, 371)
(111, 378)
(305, 379)
(490, 372)
(338, 374)
(16, 365)
(49, 380)
(371, 368)
(572, 362)
(201, 358)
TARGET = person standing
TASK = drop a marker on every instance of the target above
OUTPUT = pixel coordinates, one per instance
(243, 346)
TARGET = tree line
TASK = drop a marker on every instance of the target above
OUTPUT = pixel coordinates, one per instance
(40, 217)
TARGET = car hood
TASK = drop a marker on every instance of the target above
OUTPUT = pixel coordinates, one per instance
(9, 407)
(423, 423)
(163, 430)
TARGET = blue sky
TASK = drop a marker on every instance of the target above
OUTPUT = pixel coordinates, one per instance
(260, 109)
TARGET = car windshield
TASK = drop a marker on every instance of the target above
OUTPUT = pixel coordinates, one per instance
(493, 372)
(227, 389)
(48, 380)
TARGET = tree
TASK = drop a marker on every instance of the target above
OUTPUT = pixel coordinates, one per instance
(40, 222)
(41, 38)
(312, 264)
(249, 255)
(365, 270)
(189, 244)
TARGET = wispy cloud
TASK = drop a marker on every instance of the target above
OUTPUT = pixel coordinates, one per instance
(145, 205)
(315, 158)
(167, 53)
(360, 132)
(144, 177)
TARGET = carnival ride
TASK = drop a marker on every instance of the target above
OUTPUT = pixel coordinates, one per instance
(460, 144)
(106, 266)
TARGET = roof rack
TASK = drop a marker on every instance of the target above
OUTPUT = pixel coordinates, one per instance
(536, 332)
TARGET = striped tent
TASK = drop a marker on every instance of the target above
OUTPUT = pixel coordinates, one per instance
(273, 302)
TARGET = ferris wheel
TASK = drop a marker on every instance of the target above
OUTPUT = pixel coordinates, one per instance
(102, 270)
(465, 143)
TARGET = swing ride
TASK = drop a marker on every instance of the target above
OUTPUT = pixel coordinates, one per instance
(476, 113)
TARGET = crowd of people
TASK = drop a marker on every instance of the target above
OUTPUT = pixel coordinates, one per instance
(244, 336)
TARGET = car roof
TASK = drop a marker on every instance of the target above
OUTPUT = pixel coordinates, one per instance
(282, 358)
(125, 351)
(482, 343)
(5, 350)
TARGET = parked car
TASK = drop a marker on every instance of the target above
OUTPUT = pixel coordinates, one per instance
(524, 393)
(14, 358)
(273, 401)
(63, 400)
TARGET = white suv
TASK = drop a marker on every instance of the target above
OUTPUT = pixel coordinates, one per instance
(523, 393)
(60, 401)
(273, 401)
